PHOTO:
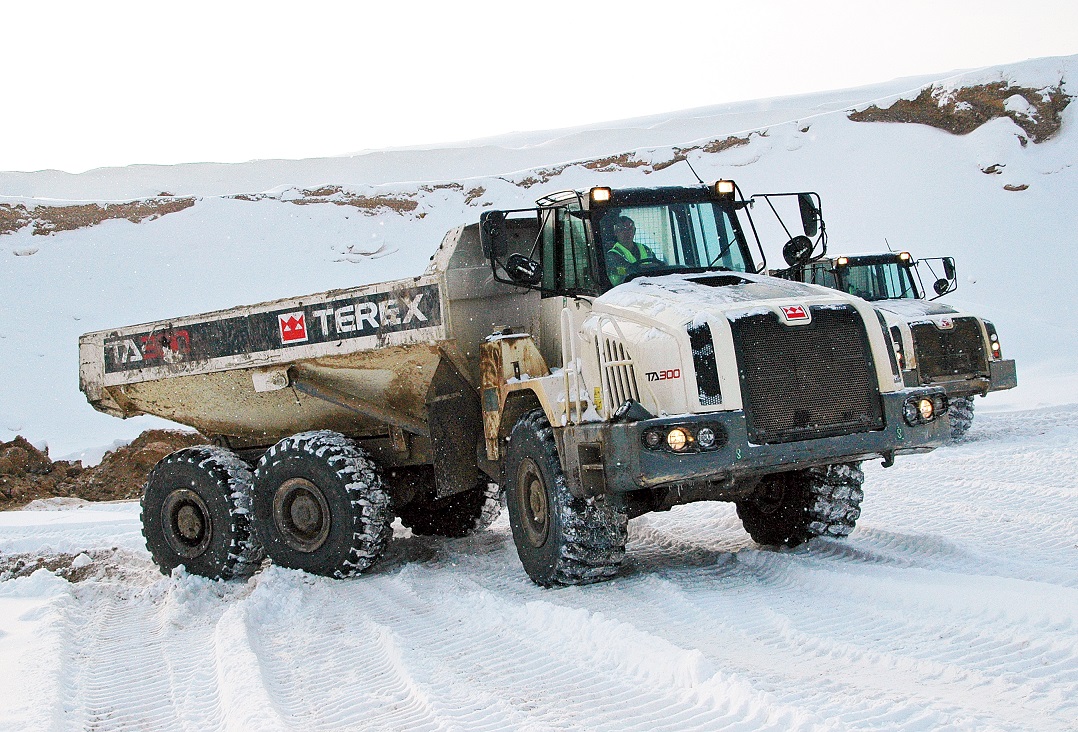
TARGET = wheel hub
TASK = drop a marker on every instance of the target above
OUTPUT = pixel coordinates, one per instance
(536, 513)
(301, 514)
(186, 521)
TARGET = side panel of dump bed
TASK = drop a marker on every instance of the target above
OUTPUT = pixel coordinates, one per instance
(236, 372)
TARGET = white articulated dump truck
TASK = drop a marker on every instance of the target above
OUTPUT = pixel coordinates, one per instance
(605, 354)
(936, 343)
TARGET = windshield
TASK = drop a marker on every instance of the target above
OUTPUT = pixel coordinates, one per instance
(879, 281)
(670, 237)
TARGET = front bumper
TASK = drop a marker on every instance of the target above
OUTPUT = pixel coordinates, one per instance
(1001, 375)
(613, 458)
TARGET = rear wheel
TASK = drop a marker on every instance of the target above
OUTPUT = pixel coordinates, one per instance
(560, 539)
(791, 508)
(195, 512)
(961, 413)
(458, 515)
(320, 505)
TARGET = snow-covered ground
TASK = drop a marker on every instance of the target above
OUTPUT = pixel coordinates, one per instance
(954, 605)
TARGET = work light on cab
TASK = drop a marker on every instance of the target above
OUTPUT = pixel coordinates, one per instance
(600, 195)
(724, 189)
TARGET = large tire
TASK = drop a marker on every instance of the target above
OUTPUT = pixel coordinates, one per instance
(320, 505)
(560, 539)
(791, 508)
(961, 413)
(196, 512)
(454, 516)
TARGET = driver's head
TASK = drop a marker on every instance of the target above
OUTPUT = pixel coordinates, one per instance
(625, 230)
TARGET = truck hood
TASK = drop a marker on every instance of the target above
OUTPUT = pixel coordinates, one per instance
(910, 309)
(677, 299)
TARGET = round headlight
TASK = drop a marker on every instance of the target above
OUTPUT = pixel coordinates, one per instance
(925, 408)
(677, 439)
(706, 437)
(652, 439)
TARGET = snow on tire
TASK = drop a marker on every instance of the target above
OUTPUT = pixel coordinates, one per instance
(961, 413)
(458, 515)
(196, 513)
(320, 505)
(791, 508)
(560, 539)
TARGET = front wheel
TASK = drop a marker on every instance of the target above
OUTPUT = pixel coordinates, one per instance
(195, 512)
(961, 413)
(560, 539)
(791, 508)
(320, 505)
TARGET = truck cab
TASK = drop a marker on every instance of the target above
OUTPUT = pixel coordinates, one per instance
(936, 344)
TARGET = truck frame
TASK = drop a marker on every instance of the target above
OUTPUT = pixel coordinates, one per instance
(520, 363)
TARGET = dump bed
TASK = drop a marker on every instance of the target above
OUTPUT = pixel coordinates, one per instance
(225, 372)
(376, 360)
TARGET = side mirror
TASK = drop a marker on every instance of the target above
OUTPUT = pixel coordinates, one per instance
(523, 270)
(810, 214)
(798, 251)
(941, 286)
(948, 268)
(493, 234)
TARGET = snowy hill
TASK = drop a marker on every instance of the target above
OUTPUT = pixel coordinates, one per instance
(118, 246)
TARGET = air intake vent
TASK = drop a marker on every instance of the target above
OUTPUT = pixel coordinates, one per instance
(619, 374)
(800, 382)
(947, 354)
(703, 359)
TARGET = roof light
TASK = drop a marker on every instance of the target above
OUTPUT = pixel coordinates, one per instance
(600, 195)
(842, 261)
(724, 189)
(904, 256)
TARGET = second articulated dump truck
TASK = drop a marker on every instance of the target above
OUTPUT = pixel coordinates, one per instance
(608, 353)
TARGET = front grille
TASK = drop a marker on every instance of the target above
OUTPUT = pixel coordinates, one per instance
(800, 382)
(947, 354)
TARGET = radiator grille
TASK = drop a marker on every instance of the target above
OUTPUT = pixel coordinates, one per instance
(806, 381)
(946, 354)
(703, 360)
(618, 372)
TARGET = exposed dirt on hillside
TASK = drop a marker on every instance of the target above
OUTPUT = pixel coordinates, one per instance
(46, 220)
(960, 111)
(632, 160)
(27, 473)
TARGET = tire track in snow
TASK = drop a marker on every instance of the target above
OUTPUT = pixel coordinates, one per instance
(143, 657)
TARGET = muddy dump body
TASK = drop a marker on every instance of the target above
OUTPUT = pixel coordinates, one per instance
(394, 364)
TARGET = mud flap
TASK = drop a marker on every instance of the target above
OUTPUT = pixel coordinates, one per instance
(456, 428)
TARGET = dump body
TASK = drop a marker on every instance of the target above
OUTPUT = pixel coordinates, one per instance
(368, 362)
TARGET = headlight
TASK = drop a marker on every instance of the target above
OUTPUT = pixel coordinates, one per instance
(706, 437)
(687, 438)
(923, 409)
(677, 439)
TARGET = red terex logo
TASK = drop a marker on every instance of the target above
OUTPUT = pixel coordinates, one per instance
(794, 312)
(293, 327)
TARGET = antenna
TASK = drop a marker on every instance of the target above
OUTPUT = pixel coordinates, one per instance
(888, 244)
(686, 159)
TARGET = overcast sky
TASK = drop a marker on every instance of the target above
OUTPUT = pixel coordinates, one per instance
(90, 84)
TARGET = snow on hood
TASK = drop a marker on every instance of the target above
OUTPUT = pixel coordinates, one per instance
(914, 308)
(678, 298)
